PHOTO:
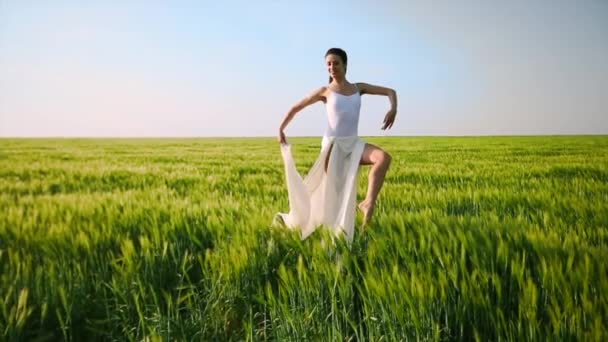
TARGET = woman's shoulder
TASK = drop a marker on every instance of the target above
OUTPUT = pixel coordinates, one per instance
(320, 91)
(317, 94)
(360, 85)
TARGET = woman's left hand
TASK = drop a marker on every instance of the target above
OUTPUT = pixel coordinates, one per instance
(389, 119)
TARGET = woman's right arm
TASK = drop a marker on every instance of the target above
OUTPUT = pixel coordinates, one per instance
(314, 97)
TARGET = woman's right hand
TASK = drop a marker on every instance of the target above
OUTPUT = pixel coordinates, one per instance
(281, 138)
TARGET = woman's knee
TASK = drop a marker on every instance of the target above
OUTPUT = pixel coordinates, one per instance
(387, 159)
(384, 159)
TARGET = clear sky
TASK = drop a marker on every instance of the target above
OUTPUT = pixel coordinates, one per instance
(234, 68)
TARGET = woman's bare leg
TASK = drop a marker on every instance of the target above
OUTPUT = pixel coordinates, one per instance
(328, 155)
(380, 162)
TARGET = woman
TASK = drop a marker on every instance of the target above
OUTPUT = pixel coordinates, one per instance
(328, 193)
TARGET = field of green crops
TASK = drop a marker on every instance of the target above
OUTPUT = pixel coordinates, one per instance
(490, 238)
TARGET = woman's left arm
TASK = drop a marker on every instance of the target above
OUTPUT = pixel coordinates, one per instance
(389, 118)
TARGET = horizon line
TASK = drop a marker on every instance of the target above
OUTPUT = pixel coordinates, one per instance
(302, 136)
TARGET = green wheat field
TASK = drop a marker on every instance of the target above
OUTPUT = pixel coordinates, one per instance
(474, 238)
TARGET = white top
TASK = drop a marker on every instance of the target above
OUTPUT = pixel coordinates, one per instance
(342, 114)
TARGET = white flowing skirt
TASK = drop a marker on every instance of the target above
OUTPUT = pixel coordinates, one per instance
(324, 198)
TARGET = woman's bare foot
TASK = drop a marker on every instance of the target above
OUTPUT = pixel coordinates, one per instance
(367, 208)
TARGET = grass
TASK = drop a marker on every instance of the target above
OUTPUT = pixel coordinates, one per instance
(477, 238)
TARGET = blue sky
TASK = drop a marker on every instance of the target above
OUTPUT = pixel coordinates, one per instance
(234, 68)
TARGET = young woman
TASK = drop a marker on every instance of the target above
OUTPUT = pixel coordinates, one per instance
(328, 193)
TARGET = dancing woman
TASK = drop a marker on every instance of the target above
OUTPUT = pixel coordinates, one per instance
(327, 195)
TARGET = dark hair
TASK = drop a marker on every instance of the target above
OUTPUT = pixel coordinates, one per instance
(340, 53)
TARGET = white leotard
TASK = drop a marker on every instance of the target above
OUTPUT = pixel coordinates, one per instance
(342, 114)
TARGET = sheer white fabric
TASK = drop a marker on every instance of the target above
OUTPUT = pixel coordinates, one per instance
(324, 197)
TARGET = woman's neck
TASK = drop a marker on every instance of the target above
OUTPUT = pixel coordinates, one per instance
(340, 82)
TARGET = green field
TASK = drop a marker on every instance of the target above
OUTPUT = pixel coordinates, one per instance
(489, 238)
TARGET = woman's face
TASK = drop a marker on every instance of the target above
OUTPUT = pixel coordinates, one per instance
(335, 67)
